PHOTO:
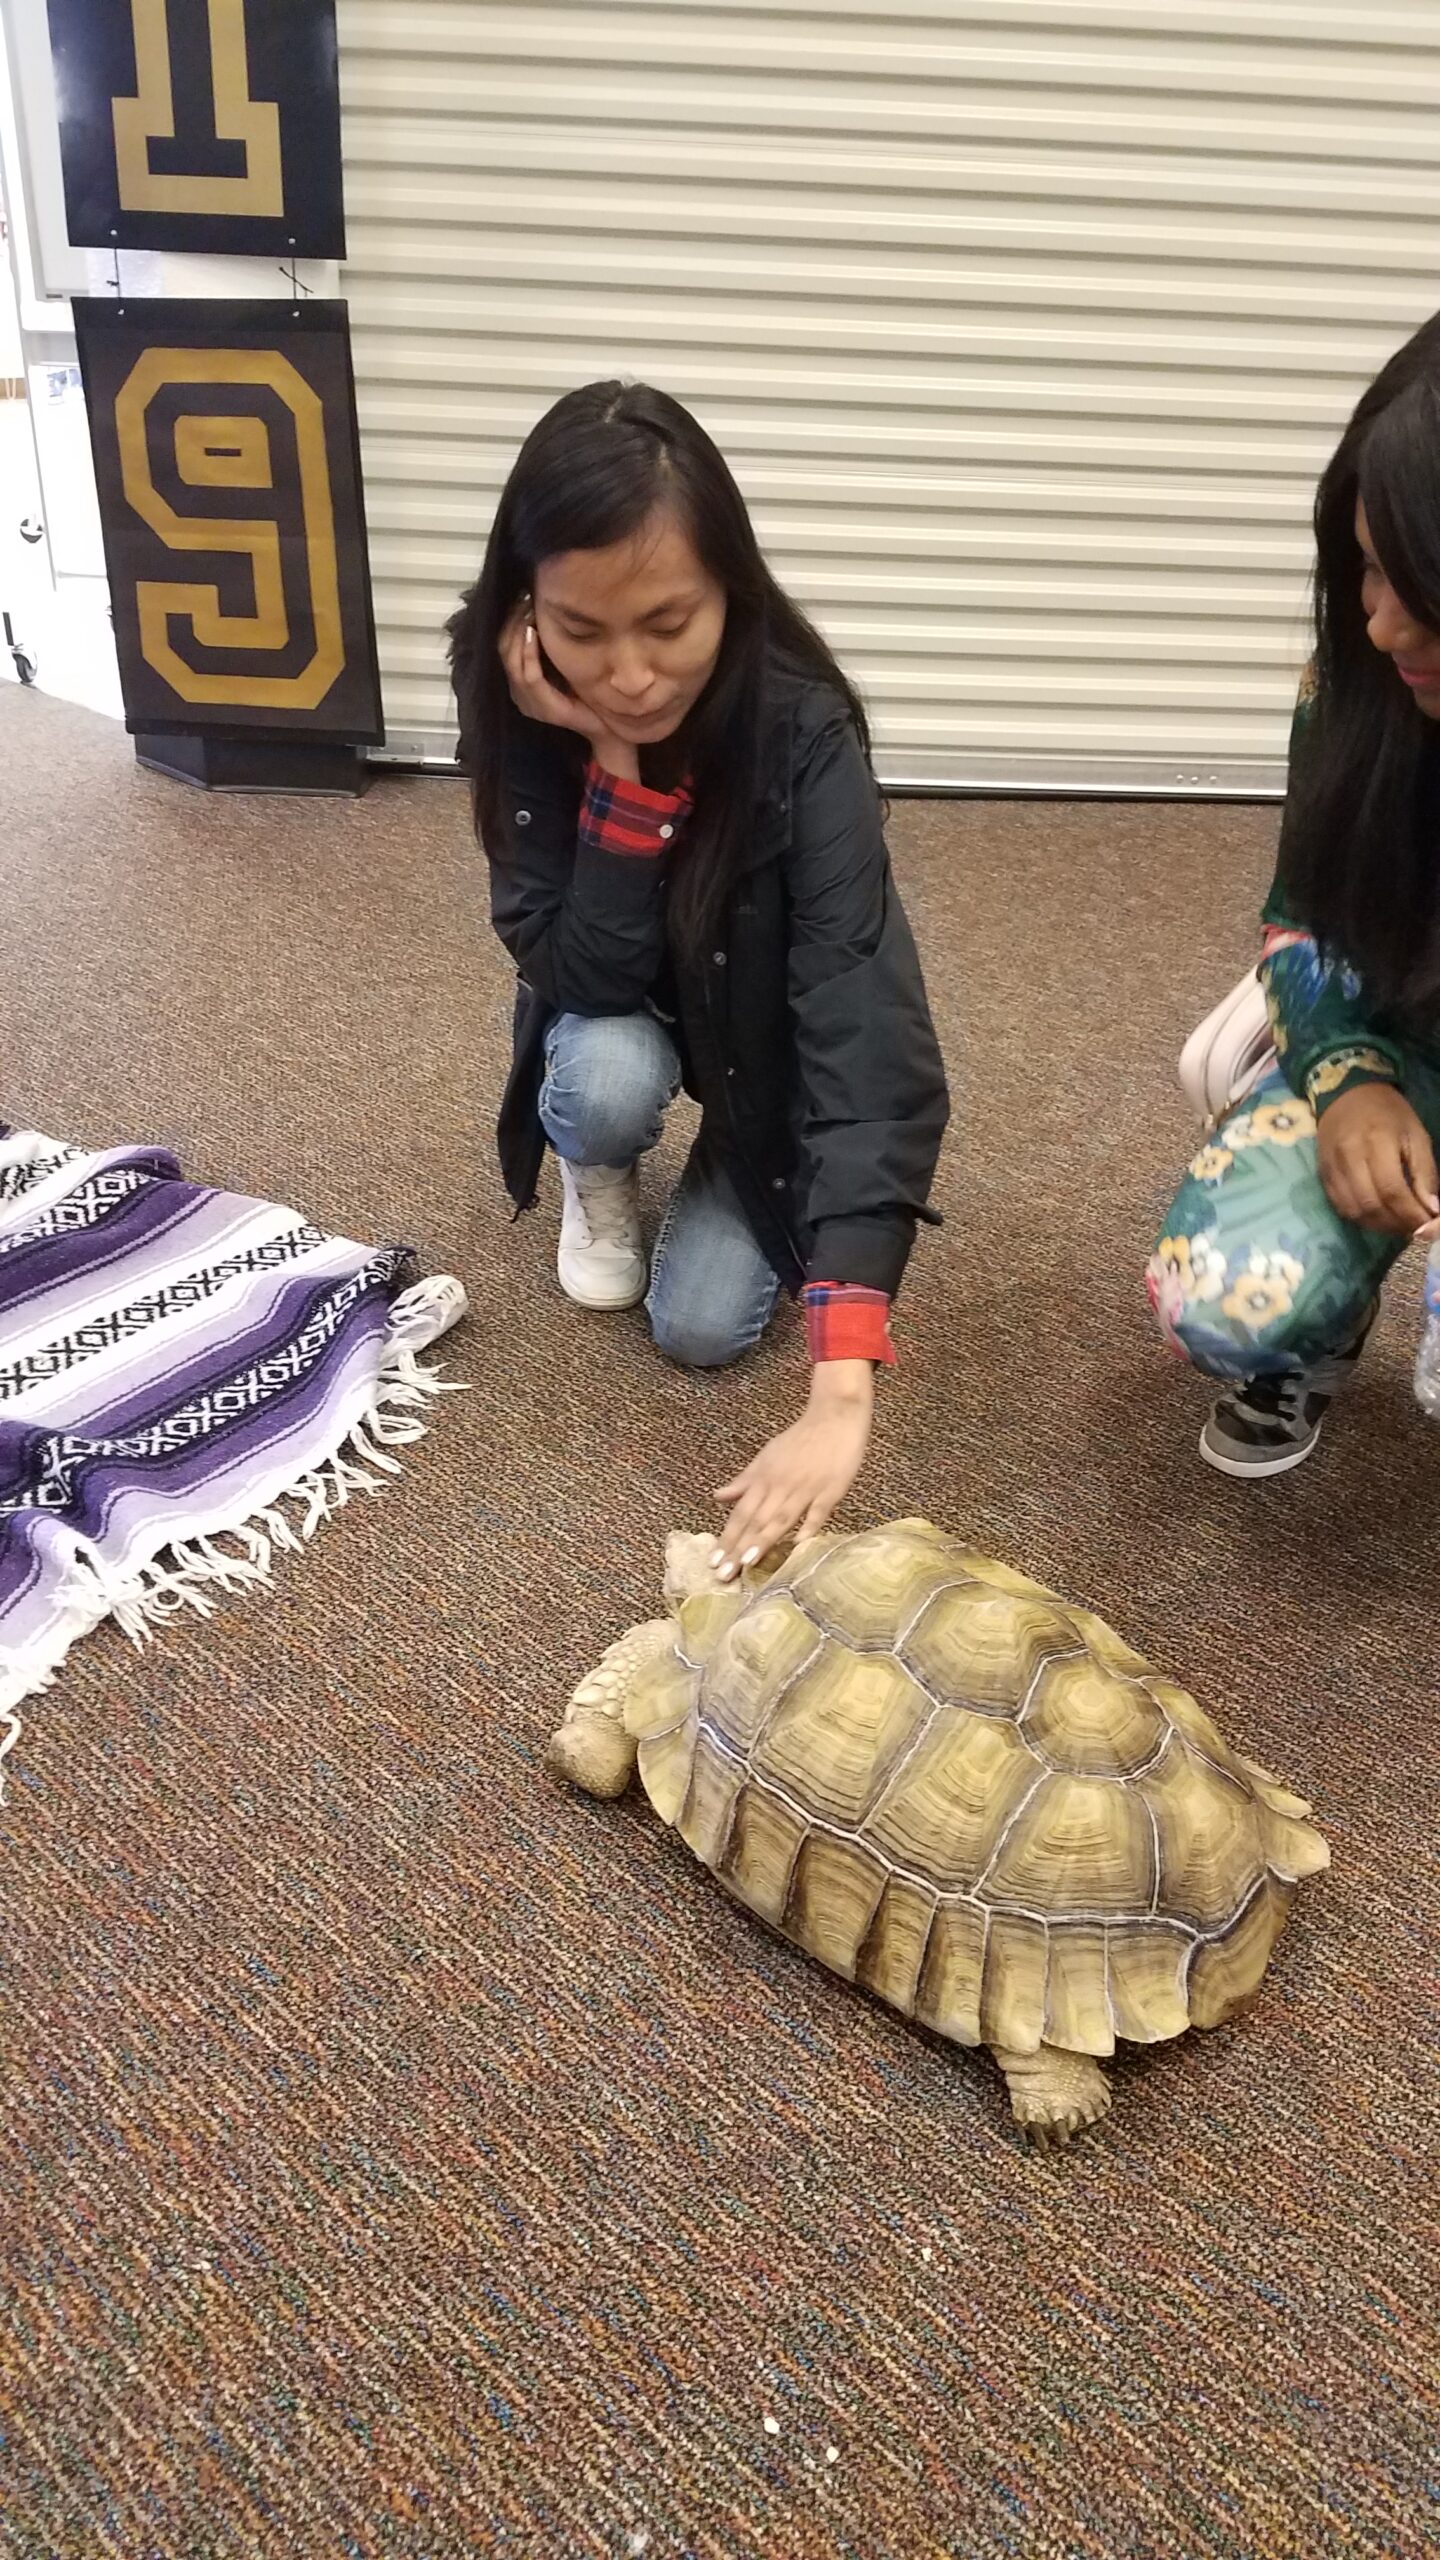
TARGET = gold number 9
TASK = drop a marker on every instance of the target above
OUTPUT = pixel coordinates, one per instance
(215, 450)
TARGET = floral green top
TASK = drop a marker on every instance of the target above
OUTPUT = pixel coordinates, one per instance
(1327, 1036)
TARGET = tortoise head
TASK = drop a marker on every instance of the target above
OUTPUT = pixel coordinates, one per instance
(703, 1606)
(691, 1574)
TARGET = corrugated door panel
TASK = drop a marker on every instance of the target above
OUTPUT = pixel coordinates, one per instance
(1026, 329)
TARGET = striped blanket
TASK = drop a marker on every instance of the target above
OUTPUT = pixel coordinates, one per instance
(188, 1381)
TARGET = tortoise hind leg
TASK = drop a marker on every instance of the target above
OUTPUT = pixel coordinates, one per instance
(1054, 2094)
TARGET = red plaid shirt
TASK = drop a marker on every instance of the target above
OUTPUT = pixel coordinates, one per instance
(619, 816)
(846, 1323)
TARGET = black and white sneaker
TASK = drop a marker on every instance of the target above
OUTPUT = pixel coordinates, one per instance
(1266, 1426)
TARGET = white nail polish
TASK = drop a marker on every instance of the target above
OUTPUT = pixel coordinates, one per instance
(751, 1556)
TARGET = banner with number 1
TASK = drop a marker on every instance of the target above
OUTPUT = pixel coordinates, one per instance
(201, 126)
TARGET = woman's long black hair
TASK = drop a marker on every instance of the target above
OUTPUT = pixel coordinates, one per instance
(1360, 844)
(595, 469)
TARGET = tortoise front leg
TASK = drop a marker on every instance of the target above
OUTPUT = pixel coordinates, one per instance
(1054, 2094)
(592, 1748)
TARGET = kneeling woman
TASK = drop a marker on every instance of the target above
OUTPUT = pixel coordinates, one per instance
(1268, 1271)
(673, 787)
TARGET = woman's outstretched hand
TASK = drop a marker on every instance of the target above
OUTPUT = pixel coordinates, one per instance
(536, 698)
(803, 1475)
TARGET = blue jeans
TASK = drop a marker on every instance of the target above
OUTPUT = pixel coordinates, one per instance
(609, 1082)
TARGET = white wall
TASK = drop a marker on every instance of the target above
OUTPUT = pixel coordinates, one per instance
(12, 361)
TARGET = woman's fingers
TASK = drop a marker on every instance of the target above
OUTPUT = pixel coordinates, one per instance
(512, 659)
(1356, 1189)
(737, 1537)
(785, 1511)
(1392, 1188)
(771, 1530)
(793, 1486)
(1377, 1161)
(1420, 1165)
(1370, 1210)
(530, 676)
(1337, 1187)
(1389, 1175)
(754, 1527)
(766, 1511)
(530, 690)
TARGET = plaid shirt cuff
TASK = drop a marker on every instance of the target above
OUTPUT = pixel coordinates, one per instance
(843, 1323)
(623, 817)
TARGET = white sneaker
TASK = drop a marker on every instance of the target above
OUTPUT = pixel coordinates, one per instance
(420, 1315)
(601, 1260)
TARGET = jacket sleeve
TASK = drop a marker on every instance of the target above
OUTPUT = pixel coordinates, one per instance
(1324, 1031)
(872, 1087)
(583, 922)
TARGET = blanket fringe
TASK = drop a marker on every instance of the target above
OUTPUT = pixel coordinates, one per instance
(196, 1573)
(192, 1573)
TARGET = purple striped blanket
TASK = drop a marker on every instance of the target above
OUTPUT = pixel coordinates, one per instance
(188, 1381)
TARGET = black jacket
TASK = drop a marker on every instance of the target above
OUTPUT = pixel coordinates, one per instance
(803, 1029)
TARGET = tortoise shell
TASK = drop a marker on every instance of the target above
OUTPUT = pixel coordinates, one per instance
(970, 1798)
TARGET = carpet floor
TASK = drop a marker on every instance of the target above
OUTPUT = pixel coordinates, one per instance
(398, 2157)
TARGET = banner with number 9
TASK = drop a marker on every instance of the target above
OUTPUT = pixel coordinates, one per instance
(227, 466)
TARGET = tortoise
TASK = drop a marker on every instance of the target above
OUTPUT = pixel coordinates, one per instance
(956, 1791)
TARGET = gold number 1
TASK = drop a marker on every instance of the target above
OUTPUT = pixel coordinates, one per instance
(150, 116)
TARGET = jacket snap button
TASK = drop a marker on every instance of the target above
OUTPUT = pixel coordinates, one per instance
(666, 832)
(719, 959)
(779, 1182)
(522, 817)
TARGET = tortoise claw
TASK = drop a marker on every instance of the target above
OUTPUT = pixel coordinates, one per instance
(1054, 2094)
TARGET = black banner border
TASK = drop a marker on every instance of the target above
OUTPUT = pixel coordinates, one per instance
(174, 315)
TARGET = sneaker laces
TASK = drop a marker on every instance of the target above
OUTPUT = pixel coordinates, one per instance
(420, 1315)
(606, 1197)
(1274, 1400)
(1283, 1399)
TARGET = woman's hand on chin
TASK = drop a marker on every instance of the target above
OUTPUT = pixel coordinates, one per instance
(536, 698)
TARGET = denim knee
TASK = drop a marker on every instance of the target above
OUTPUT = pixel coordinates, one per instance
(608, 1083)
(702, 1338)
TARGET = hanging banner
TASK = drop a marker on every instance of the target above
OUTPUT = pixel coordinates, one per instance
(200, 125)
(228, 467)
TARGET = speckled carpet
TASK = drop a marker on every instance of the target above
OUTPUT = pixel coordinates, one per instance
(400, 2158)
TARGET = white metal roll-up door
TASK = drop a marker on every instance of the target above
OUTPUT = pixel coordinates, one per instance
(1026, 328)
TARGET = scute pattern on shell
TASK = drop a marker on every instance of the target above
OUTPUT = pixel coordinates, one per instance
(978, 1803)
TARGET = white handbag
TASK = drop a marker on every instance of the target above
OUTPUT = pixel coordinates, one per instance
(1226, 1057)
